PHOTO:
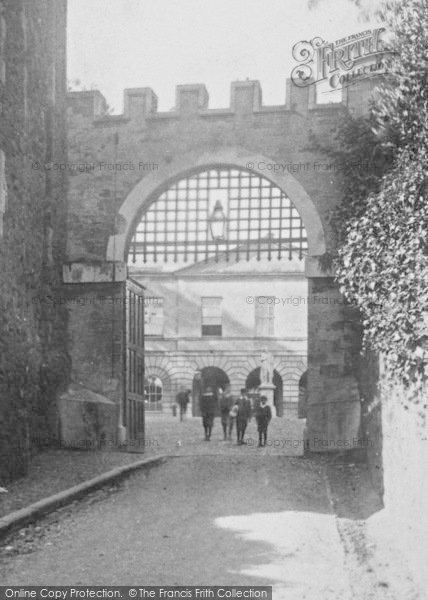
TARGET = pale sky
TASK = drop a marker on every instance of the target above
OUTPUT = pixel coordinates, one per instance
(118, 44)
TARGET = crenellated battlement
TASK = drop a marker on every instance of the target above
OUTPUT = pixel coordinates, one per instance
(192, 100)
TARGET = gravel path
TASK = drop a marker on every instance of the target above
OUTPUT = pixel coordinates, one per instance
(197, 520)
(219, 514)
(52, 471)
(167, 435)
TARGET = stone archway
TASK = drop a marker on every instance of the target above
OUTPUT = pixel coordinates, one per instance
(216, 375)
(291, 372)
(155, 183)
(213, 377)
(141, 196)
(97, 247)
(330, 400)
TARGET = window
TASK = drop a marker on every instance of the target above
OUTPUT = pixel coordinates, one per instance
(153, 316)
(153, 391)
(211, 316)
(264, 307)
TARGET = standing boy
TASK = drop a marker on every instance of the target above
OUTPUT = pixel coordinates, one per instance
(225, 405)
(208, 409)
(263, 417)
(243, 416)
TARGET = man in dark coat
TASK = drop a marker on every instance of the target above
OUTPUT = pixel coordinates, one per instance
(225, 405)
(263, 417)
(243, 416)
(182, 401)
(208, 407)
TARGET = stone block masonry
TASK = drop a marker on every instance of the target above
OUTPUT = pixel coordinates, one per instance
(33, 359)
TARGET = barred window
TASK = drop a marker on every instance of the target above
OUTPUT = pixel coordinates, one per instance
(261, 220)
(211, 316)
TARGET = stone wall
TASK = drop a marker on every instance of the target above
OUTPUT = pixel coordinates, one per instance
(33, 360)
(398, 458)
(333, 398)
(96, 309)
(368, 381)
(110, 155)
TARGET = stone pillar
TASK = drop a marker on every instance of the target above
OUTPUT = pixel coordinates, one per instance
(94, 295)
(190, 99)
(90, 104)
(245, 96)
(333, 403)
(139, 103)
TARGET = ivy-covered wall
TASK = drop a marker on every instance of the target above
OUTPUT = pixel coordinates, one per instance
(382, 266)
(33, 360)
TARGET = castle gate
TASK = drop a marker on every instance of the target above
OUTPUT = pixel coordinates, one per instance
(119, 164)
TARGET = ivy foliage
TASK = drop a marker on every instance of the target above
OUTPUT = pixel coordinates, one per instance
(382, 226)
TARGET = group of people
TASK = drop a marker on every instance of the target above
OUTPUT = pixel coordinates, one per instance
(234, 412)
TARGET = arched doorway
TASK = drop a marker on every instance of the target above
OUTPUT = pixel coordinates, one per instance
(253, 381)
(261, 225)
(208, 377)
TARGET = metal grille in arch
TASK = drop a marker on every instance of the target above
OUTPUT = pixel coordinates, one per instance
(260, 221)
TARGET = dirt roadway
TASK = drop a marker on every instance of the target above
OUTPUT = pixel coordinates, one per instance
(218, 513)
(199, 520)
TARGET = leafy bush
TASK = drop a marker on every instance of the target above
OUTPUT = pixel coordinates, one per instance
(382, 226)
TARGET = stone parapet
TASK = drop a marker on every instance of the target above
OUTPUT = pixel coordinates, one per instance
(192, 99)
